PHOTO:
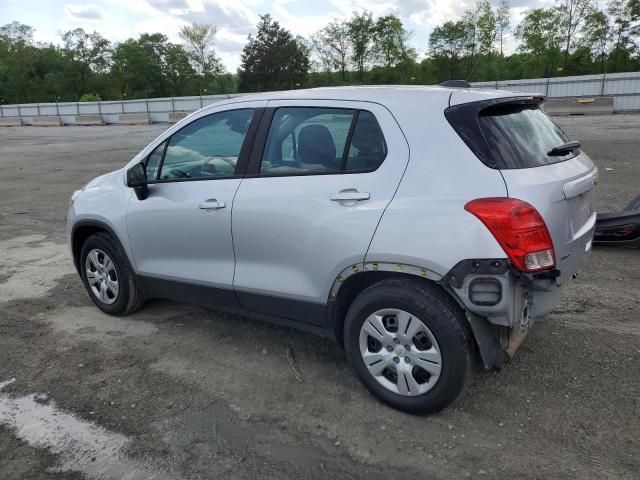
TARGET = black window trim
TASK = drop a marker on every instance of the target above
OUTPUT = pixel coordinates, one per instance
(260, 143)
(347, 143)
(164, 145)
(243, 157)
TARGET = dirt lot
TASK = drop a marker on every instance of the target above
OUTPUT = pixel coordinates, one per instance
(180, 392)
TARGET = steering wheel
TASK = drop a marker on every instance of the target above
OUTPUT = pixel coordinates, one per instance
(208, 167)
(176, 172)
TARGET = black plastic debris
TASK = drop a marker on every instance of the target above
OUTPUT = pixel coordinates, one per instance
(619, 228)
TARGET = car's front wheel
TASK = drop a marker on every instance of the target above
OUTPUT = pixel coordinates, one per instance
(408, 345)
(108, 277)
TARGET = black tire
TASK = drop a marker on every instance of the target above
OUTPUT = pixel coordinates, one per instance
(440, 314)
(130, 297)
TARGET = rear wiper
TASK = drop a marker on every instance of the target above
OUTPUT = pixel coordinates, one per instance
(565, 148)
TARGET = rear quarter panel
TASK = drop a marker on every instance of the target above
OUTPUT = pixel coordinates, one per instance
(426, 224)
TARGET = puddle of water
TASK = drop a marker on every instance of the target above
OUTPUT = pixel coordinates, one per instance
(80, 446)
(31, 266)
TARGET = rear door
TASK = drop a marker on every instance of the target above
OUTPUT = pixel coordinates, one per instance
(311, 202)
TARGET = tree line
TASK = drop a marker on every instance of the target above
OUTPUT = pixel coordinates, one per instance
(573, 37)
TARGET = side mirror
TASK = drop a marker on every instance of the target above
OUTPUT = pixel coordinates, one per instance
(137, 179)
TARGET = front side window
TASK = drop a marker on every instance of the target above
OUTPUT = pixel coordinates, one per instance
(206, 148)
(308, 140)
(153, 161)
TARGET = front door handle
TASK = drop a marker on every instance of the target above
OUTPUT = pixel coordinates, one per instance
(350, 196)
(212, 204)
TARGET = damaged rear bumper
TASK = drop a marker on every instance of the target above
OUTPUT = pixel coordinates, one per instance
(501, 304)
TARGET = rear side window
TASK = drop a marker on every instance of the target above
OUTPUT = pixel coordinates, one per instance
(509, 135)
(305, 140)
(312, 140)
(368, 148)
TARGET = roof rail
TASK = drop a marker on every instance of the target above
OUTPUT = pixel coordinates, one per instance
(455, 84)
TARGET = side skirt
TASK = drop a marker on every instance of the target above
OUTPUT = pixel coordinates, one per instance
(279, 311)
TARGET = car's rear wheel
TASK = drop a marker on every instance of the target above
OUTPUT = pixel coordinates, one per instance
(408, 344)
(108, 276)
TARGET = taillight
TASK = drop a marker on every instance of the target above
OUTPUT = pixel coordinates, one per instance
(519, 229)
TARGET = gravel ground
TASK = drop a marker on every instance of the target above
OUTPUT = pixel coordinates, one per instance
(180, 392)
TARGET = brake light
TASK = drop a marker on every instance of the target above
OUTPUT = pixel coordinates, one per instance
(519, 229)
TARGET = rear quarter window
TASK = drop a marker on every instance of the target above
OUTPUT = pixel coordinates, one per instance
(509, 135)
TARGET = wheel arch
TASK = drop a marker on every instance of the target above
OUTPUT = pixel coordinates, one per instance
(82, 230)
(355, 279)
(352, 282)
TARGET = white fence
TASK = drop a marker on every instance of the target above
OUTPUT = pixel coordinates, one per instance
(623, 87)
(158, 109)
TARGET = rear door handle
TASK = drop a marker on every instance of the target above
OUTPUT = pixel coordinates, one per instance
(212, 204)
(350, 196)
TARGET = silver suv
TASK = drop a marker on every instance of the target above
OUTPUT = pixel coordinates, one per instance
(424, 228)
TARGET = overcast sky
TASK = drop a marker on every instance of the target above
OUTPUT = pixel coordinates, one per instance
(121, 19)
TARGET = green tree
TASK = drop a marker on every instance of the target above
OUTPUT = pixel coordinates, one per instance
(177, 69)
(90, 97)
(625, 15)
(334, 42)
(17, 61)
(29, 71)
(503, 27)
(88, 52)
(448, 46)
(595, 38)
(392, 41)
(138, 67)
(503, 24)
(199, 40)
(482, 32)
(541, 38)
(153, 66)
(17, 33)
(320, 56)
(361, 33)
(272, 59)
(461, 48)
(50, 81)
(573, 15)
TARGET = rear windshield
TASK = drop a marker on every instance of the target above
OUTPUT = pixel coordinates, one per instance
(510, 135)
(521, 135)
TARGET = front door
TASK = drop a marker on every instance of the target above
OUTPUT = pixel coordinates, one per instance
(311, 202)
(182, 231)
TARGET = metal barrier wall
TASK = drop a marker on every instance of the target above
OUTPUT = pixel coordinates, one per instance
(158, 109)
(623, 87)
